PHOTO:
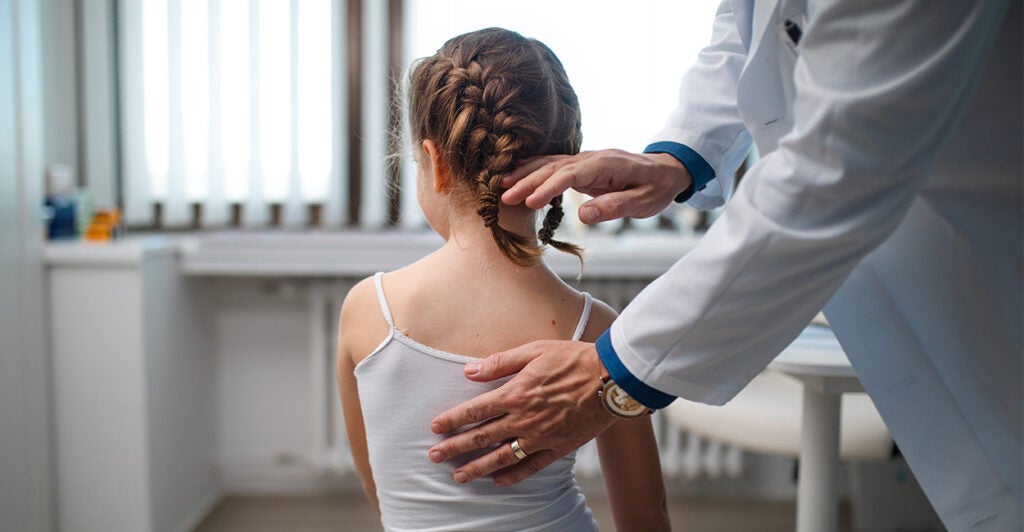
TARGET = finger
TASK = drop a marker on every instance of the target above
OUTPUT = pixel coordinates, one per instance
(504, 363)
(526, 167)
(480, 437)
(572, 175)
(526, 178)
(526, 468)
(612, 206)
(480, 408)
(500, 458)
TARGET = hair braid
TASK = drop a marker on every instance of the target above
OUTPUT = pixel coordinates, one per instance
(551, 220)
(486, 99)
(489, 99)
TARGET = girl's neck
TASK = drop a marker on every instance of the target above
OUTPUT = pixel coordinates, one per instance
(469, 242)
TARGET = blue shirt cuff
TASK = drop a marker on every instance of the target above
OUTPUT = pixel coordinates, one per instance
(699, 169)
(647, 396)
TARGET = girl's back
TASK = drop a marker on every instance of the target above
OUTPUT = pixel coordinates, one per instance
(405, 381)
(478, 303)
(486, 100)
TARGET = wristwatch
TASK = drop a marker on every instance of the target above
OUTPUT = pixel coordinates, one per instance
(618, 402)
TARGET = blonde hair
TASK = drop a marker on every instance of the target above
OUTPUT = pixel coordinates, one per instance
(489, 99)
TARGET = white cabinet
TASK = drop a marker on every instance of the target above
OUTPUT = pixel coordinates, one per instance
(133, 380)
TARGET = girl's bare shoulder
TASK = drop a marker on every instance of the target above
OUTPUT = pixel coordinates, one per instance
(601, 318)
(361, 326)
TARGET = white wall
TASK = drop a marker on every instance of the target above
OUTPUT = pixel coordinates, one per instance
(98, 157)
(266, 432)
(60, 94)
(78, 92)
(25, 485)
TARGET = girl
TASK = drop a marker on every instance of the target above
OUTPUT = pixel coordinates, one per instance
(484, 101)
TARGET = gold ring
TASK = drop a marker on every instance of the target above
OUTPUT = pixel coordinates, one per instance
(519, 452)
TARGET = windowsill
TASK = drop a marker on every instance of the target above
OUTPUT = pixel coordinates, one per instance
(126, 252)
(354, 253)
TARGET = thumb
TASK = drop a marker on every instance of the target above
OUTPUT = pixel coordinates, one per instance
(609, 206)
(504, 363)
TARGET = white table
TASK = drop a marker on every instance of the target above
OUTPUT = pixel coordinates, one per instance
(816, 359)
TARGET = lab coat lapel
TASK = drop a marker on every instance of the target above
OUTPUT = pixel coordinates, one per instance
(763, 13)
(765, 89)
(742, 11)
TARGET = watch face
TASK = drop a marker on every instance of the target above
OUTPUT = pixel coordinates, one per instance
(620, 403)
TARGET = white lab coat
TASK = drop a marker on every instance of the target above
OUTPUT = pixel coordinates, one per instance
(889, 187)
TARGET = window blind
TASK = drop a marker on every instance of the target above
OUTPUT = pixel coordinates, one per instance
(234, 112)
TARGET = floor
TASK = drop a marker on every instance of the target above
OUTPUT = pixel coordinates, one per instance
(351, 512)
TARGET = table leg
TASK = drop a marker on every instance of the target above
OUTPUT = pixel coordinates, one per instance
(817, 494)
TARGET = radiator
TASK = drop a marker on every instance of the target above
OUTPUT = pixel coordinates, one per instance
(683, 455)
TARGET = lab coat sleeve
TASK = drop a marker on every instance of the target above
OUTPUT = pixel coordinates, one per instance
(864, 139)
(705, 119)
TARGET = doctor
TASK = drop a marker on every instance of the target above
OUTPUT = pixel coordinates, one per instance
(889, 192)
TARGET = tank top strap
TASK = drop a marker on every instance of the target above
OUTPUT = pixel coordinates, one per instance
(384, 309)
(584, 318)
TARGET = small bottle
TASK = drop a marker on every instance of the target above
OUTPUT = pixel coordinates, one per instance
(105, 226)
(84, 210)
(60, 202)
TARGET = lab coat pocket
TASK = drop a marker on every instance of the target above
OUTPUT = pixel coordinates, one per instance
(789, 32)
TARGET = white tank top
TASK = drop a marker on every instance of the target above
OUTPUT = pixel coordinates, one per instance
(402, 385)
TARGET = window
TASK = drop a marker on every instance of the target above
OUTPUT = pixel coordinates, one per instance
(625, 59)
(231, 109)
(257, 113)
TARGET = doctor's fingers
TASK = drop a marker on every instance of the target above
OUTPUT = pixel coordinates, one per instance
(503, 460)
(480, 437)
(593, 173)
(480, 408)
(530, 171)
(516, 409)
(602, 172)
(525, 469)
(507, 362)
(554, 449)
(534, 175)
(634, 202)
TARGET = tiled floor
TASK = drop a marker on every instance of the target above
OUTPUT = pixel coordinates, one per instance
(351, 513)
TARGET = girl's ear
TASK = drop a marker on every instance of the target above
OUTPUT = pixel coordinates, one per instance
(440, 169)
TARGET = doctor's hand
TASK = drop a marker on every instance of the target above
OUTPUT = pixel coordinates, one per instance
(622, 183)
(551, 407)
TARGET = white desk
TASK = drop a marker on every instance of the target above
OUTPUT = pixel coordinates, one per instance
(816, 359)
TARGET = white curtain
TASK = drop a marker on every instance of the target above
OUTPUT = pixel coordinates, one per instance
(234, 102)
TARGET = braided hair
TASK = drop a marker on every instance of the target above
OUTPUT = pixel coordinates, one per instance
(488, 99)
